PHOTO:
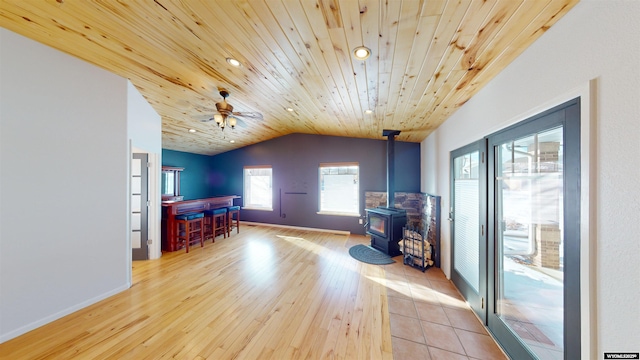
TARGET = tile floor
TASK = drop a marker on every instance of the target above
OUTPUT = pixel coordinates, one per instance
(430, 319)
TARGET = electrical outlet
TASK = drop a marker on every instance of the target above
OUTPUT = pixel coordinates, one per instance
(360, 221)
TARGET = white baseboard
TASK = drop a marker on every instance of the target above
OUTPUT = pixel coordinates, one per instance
(341, 232)
(36, 324)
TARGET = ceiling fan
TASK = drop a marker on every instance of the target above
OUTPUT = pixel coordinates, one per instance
(225, 116)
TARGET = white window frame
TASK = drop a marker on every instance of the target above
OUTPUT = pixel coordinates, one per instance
(356, 211)
(246, 195)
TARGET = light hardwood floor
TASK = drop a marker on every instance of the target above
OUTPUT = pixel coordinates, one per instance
(269, 293)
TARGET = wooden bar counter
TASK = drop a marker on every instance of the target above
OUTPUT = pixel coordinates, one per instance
(171, 209)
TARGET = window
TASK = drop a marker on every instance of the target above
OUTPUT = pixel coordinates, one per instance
(339, 189)
(171, 183)
(257, 188)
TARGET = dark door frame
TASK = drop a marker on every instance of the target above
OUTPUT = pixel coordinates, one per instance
(566, 115)
(142, 253)
(477, 300)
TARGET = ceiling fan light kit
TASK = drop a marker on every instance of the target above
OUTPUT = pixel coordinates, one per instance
(224, 121)
(224, 115)
(361, 53)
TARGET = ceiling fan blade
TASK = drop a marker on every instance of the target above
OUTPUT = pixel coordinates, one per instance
(240, 124)
(249, 115)
(203, 117)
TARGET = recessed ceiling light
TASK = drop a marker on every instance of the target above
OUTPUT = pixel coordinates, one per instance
(233, 62)
(368, 111)
(289, 109)
(232, 141)
(192, 130)
(361, 52)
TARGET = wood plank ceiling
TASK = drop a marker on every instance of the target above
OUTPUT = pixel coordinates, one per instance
(428, 58)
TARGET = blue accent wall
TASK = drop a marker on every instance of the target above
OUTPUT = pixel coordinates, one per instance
(195, 179)
(295, 159)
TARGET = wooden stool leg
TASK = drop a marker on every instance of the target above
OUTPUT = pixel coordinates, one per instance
(229, 222)
(187, 235)
(216, 221)
(223, 220)
(201, 232)
(219, 223)
(213, 228)
(205, 224)
(176, 233)
(216, 226)
(237, 222)
(224, 226)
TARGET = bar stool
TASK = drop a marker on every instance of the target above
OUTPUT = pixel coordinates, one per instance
(190, 228)
(231, 210)
(215, 220)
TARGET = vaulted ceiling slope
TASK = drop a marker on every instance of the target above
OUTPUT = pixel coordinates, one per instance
(428, 58)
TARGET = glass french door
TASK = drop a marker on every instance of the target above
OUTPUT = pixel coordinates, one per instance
(139, 206)
(533, 206)
(468, 218)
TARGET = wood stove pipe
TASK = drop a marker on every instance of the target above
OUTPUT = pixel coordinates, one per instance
(390, 134)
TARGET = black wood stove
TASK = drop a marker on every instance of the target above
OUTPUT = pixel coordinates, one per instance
(385, 227)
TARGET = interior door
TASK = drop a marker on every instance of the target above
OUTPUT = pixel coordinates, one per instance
(468, 224)
(534, 203)
(139, 206)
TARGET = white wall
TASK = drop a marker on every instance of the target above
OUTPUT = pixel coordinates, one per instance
(144, 124)
(145, 132)
(597, 40)
(64, 184)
